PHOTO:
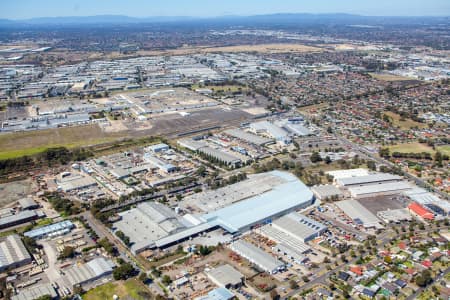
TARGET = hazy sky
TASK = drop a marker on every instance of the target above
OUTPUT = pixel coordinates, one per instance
(22, 9)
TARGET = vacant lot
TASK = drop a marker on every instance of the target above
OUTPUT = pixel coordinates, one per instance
(311, 109)
(13, 191)
(404, 124)
(131, 288)
(263, 48)
(32, 142)
(411, 148)
(389, 77)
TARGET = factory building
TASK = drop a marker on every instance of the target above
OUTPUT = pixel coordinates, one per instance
(257, 256)
(149, 227)
(28, 204)
(299, 226)
(148, 222)
(89, 272)
(160, 164)
(379, 189)
(326, 192)
(20, 218)
(51, 230)
(359, 214)
(36, 292)
(13, 253)
(226, 276)
(69, 184)
(158, 148)
(217, 294)
(271, 130)
(420, 211)
(339, 174)
(375, 178)
(248, 137)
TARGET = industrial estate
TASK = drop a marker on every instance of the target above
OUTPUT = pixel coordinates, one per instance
(236, 162)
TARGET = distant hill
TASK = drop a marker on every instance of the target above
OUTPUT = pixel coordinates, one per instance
(282, 18)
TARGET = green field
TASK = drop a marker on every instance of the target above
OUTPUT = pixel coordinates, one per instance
(411, 148)
(444, 149)
(32, 142)
(131, 288)
(405, 124)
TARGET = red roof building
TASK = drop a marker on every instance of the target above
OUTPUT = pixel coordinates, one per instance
(420, 211)
(356, 270)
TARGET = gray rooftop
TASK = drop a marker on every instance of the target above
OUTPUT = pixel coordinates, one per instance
(257, 256)
(248, 137)
(225, 275)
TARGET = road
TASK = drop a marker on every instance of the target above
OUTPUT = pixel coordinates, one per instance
(437, 279)
(382, 239)
(420, 182)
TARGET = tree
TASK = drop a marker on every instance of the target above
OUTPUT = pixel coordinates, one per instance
(315, 157)
(424, 278)
(166, 280)
(124, 271)
(274, 294)
(68, 252)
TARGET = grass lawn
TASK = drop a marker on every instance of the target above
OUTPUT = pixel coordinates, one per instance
(132, 287)
(411, 148)
(444, 149)
(405, 124)
(32, 142)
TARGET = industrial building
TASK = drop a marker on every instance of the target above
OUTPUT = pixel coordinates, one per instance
(359, 214)
(248, 137)
(27, 204)
(217, 294)
(89, 272)
(36, 291)
(148, 222)
(374, 178)
(76, 183)
(273, 131)
(429, 200)
(51, 230)
(158, 148)
(420, 211)
(160, 164)
(257, 256)
(326, 192)
(160, 227)
(226, 276)
(289, 195)
(394, 215)
(221, 156)
(20, 218)
(379, 189)
(299, 227)
(13, 253)
(339, 174)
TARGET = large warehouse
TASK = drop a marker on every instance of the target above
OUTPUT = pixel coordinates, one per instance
(282, 194)
(299, 226)
(289, 195)
(148, 222)
(375, 178)
(359, 214)
(13, 253)
(380, 189)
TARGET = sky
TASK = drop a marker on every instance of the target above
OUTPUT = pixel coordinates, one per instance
(24, 9)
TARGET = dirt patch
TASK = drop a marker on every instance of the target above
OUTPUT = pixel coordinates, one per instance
(13, 191)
